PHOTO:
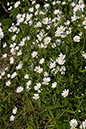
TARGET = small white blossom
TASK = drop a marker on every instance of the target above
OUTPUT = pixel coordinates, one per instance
(16, 4)
(46, 74)
(8, 75)
(8, 83)
(12, 117)
(28, 83)
(41, 61)
(36, 96)
(38, 85)
(11, 60)
(84, 124)
(73, 123)
(46, 80)
(4, 55)
(84, 54)
(2, 73)
(14, 110)
(19, 89)
(14, 75)
(26, 76)
(65, 93)
(34, 54)
(54, 85)
(76, 38)
(47, 40)
(45, 20)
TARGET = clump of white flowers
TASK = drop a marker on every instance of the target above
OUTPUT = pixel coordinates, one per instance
(39, 60)
(14, 111)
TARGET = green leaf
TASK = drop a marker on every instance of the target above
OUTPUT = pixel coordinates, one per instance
(7, 21)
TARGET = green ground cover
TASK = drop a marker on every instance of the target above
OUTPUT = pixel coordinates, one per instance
(43, 65)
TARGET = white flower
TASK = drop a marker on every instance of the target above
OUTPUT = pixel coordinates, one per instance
(84, 22)
(12, 51)
(3, 73)
(34, 54)
(22, 43)
(31, 9)
(54, 2)
(52, 65)
(73, 123)
(28, 17)
(61, 56)
(46, 5)
(8, 83)
(28, 37)
(4, 55)
(10, 8)
(20, 20)
(19, 89)
(46, 80)
(14, 75)
(84, 55)
(27, 88)
(81, 126)
(11, 60)
(1, 35)
(54, 85)
(65, 93)
(73, 18)
(6, 68)
(41, 61)
(4, 45)
(56, 11)
(60, 61)
(14, 110)
(18, 16)
(19, 53)
(38, 85)
(37, 6)
(63, 3)
(39, 24)
(16, 4)
(84, 124)
(57, 33)
(76, 38)
(38, 69)
(14, 37)
(36, 96)
(8, 75)
(47, 40)
(12, 117)
(0, 77)
(26, 76)
(17, 48)
(46, 74)
(45, 20)
(19, 66)
(28, 83)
